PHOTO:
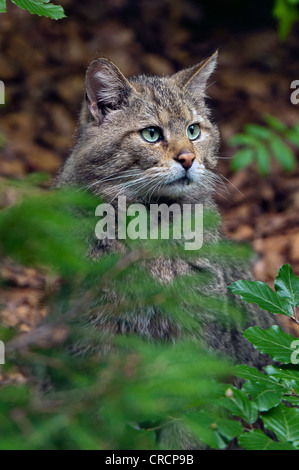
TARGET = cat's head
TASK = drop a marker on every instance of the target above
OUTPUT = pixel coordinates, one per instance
(146, 138)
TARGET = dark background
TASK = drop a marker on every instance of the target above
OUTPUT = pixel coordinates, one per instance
(43, 62)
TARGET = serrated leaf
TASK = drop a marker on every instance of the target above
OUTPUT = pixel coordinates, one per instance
(2, 6)
(284, 422)
(283, 153)
(211, 430)
(251, 373)
(265, 396)
(293, 400)
(272, 341)
(287, 285)
(261, 294)
(240, 405)
(288, 375)
(258, 131)
(257, 440)
(242, 159)
(41, 8)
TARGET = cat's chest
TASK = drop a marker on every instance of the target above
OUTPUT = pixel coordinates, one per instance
(211, 276)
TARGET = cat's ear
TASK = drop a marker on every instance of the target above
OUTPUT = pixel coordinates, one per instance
(194, 79)
(106, 88)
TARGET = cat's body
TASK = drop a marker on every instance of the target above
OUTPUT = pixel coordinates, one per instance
(151, 139)
(113, 158)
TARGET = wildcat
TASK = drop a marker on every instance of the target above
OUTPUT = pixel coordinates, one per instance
(151, 139)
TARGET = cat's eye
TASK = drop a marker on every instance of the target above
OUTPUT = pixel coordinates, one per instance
(151, 134)
(193, 131)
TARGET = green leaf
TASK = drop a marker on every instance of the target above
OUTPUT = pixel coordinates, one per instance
(257, 440)
(265, 391)
(283, 153)
(212, 430)
(242, 139)
(273, 341)
(242, 159)
(258, 131)
(284, 422)
(251, 373)
(287, 285)
(229, 428)
(293, 400)
(265, 396)
(240, 405)
(259, 293)
(286, 14)
(289, 375)
(41, 8)
(2, 6)
(262, 158)
(293, 136)
(275, 123)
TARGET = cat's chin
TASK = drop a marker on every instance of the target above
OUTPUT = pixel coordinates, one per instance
(178, 187)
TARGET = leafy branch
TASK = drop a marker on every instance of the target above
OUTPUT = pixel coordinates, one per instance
(37, 7)
(274, 394)
(258, 143)
(119, 400)
(284, 300)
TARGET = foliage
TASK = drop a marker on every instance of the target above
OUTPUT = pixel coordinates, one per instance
(37, 7)
(120, 400)
(125, 398)
(287, 13)
(284, 300)
(258, 143)
(275, 393)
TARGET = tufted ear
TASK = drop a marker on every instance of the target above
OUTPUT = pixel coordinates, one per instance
(106, 88)
(195, 78)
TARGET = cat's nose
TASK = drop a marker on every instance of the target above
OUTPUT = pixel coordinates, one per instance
(186, 159)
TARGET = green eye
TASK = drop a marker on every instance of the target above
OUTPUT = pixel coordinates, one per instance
(193, 131)
(151, 134)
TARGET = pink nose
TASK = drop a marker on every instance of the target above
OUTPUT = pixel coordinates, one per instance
(186, 160)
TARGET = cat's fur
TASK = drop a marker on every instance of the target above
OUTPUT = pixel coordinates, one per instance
(111, 158)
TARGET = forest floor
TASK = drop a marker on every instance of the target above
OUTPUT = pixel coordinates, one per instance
(43, 66)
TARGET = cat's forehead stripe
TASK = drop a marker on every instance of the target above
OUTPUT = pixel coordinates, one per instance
(166, 104)
(164, 107)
